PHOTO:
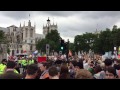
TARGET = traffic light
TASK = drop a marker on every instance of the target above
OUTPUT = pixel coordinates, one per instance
(62, 48)
(62, 45)
(47, 49)
(62, 42)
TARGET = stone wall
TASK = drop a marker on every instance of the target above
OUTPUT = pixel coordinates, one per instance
(3, 54)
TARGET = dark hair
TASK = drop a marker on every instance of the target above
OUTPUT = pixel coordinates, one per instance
(64, 69)
(108, 62)
(64, 76)
(74, 62)
(80, 64)
(46, 64)
(32, 69)
(11, 64)
(64, 73)
(53, 71)
(4, 61)
(111, 70)
(98, 69)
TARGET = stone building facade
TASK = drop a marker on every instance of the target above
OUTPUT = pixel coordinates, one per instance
(23, 39)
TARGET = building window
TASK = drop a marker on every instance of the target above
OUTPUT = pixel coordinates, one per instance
(21, 51)
(31, 33)
(26, 32)
(22, 36)
(20, 46)
(12, 52)
(31, 47)
(17, 51)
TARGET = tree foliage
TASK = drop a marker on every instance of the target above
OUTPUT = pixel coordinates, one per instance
(53, 39)
(102, 42)
(2, 37)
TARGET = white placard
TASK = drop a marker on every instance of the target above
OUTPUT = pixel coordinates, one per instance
(114, 48)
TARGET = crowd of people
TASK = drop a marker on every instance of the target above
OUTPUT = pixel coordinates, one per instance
(73, 68)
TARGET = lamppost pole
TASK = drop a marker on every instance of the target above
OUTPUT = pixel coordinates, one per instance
(78, 46)
(67, 50)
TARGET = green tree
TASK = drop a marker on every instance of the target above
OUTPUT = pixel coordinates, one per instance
(53, 39)
(2, 37)
(84, 42)
(8, 50)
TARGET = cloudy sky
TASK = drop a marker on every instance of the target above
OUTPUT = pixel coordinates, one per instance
(70, 23)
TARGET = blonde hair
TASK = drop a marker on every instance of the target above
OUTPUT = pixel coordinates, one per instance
(83, 74)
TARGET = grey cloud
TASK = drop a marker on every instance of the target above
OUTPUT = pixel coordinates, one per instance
(89, 25)
(100, 14)
(104, 19)
(25, 14)
(60, 13)
(16, 15)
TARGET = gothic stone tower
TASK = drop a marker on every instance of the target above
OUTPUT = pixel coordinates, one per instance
(47, 29)
(28, 38)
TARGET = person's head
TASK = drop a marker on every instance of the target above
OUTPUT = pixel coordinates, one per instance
(11, 64)
(110, 73)
(118, 61)
(64, 69)
(32, 70)
(79, 65)
(64, 72)
(102, 65)
(98, 69)
(53, 72)
(91, 65)
(72, 63)
(44, 66)
(108, 62)
(4, 61)
(83, 74)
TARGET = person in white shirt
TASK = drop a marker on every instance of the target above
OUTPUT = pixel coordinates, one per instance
(86, 65)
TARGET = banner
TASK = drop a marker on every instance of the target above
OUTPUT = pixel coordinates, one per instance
(41, 59)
